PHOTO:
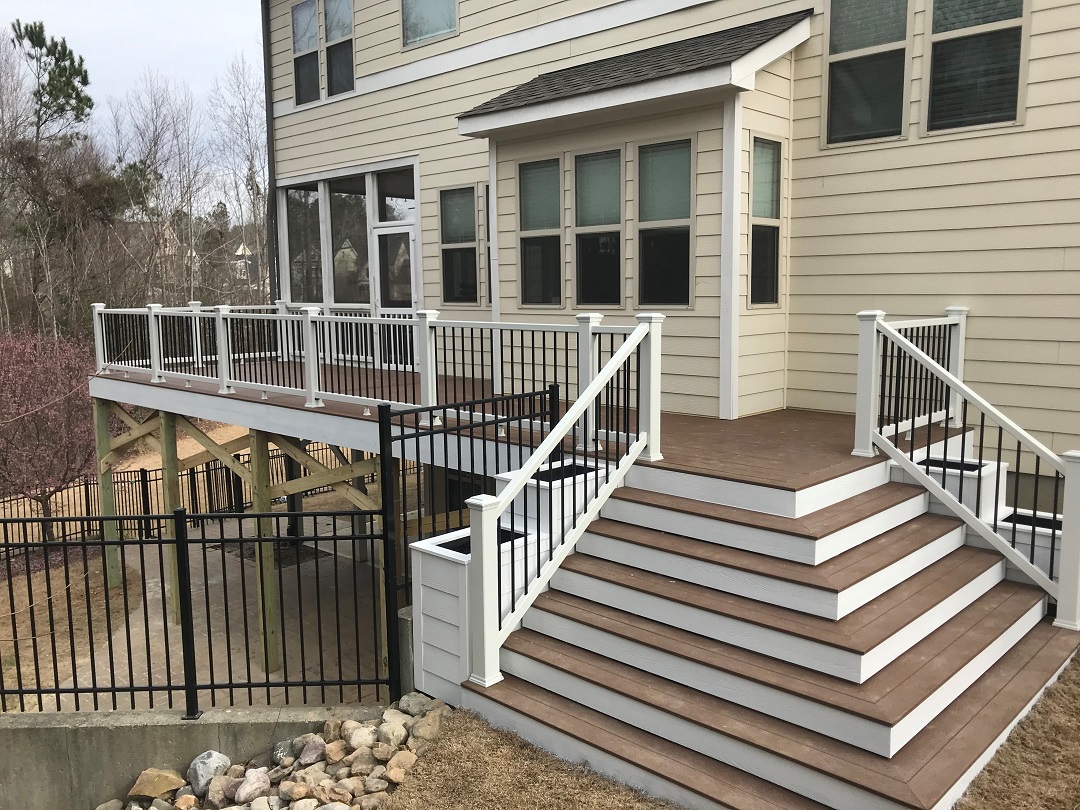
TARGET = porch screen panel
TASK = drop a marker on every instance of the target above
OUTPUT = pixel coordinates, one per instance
(305, 247)
(395, 270)
(349, 235)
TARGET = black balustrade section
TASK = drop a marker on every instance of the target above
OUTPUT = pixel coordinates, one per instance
(266, 351)
(371, 359)
(126, 339)
(188, 343)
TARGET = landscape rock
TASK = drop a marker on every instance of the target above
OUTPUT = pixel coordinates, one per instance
(402, 759)
(378, 772)
(348, 727)
(332, 730)
(261, 803)
(373, 785)
(393, 734)
(278, 773)
(280, 751)
(188, 802)
(401, 718)
(416, 704)
(335, 806)
(215, 794)
(293, 791)
(305, 804)
(361, 736)
(160, 804)
(336, 751)
(312, 776)
(115, 804)
(395, 775)
(287, 762)
(427, 728)
(374, 801)
(256, 783)
(299, 743)
(205, 767)
(329, 793)
(154, 783)
(313, 752)
(382, 752)
(355, 785)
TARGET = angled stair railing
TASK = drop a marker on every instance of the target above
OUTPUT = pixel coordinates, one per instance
(520, 537)
(1007, 486)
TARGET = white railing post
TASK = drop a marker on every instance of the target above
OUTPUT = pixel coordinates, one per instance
(865, 401)
(649, 386)
(586, 357)
(196, 332)
(285, 341)
(957, 341)
(99, 337)
(425, 357)
(1068, 603)
(310, 348)
(224, 354)
(484, 596)
(154, 336)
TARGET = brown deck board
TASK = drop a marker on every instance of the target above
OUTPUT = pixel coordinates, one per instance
(859, 631)
(835, 575)
(703, 775)
(813, 526)
(886, 698)
(919, 775)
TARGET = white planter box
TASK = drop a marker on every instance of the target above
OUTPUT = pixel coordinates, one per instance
(992, 476)
(1042, 535)
(557, 500)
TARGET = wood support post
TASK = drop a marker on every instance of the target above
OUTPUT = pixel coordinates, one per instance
(265, 562)
(106, 491)
(170, 492)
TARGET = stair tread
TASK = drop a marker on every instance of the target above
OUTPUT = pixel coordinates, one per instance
(697, 772)
(859, 631)
(886, 698)
(917, 776)
(813, 526)
(835, 575)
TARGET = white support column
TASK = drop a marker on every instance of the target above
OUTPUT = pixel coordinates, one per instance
(957, 342)
(865, 402)
(99, 337)
(649, 385)
(1068, 603)
(154, 335)
(730, 256)
(483, 579)
(425, 357)
(224, 355)
(196, 332)
(587, 369)
(310, 348)
(285, 333)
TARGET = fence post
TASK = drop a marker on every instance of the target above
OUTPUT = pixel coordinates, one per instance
(154, 342)
(382, 553)
(187, 619)
(586, 357)
(99, 337)
(483, 585)
(865, 403)
(196, 332)
(1068, 601)
(957, 342)
(224, 354)
(147, 505)
(310, 348)
(649, 385)
(425, 357)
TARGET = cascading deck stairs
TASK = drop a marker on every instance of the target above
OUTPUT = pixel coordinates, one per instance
(839, 648)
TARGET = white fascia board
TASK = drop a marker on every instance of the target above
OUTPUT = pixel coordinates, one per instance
(477, 126)
(745, 68)
(586, 23)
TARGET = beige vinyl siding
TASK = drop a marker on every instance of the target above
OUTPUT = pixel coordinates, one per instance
(691, 335)
(986, 218)
(763, 329)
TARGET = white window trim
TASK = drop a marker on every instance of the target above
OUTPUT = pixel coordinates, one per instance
(321, 45)
(574, 229)
(523, 234)
(1023, 22)
(827, 58)
(640, 226)
(420, 43)
(478, 245)
(777, 223)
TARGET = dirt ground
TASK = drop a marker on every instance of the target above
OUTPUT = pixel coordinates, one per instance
(143, 456)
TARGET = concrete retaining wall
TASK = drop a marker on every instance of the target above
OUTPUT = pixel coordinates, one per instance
(78, 761)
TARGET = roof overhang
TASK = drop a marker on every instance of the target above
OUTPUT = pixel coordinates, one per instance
(737, 75)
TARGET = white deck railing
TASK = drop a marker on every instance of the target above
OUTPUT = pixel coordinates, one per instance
(913, 405)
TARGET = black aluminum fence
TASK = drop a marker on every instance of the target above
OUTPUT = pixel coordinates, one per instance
(232, 612)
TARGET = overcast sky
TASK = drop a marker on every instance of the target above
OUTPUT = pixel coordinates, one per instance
(187, 40)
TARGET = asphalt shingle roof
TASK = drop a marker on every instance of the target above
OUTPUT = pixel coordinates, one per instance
(675, 58)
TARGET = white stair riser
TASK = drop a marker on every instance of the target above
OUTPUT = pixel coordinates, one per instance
(572, 749)
(793, 595)
(759, 762)
(805, 652)
(764, 541)
(769, 500)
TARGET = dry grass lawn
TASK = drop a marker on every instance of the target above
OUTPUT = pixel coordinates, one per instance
(473, 766)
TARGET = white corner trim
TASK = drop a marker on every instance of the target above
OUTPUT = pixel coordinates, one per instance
(730, 256)
(616, 15)
(709, 79)
(745, 68)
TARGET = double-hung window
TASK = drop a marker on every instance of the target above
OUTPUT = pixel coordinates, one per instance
(457, 229)
(974, 62)
(765, 223)
(598, 199)
(866, 65)
(664, 192)
(308, 47)
(540, 195)
(424, 19)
